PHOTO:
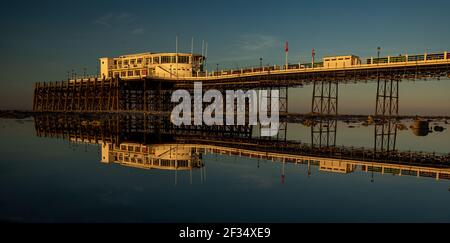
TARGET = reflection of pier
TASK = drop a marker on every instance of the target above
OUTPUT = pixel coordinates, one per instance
(187, 156)
(118, 133)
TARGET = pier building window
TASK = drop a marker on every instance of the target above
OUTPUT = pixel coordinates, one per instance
(139, 61)
(130, 73)
(125, 62)
(165, 59)
(168, 59)
(123, 74)
(137, 73)
(183, 59)
(147, 61)
(156, 60)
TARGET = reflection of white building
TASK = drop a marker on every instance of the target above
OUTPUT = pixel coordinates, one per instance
(336, 166)
(165, 156)
(151, 64)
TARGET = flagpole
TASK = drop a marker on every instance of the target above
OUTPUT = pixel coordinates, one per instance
(176, 56)
(287, 51)
(286, 60)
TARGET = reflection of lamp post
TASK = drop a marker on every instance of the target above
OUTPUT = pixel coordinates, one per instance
(372, 179)
(309, 168)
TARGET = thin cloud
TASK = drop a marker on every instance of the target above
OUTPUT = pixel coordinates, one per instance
(249, 48)
(126, 17)
(256, 42)
(104, 20)
(137, 31)
(115, 20)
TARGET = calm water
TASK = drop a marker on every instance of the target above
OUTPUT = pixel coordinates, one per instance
(52, 180)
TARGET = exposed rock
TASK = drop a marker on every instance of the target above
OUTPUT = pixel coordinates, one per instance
(439, 128)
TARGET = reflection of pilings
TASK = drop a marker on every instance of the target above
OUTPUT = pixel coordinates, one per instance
(125, 126)
(323, 132)
(385, 135)
(280, 136)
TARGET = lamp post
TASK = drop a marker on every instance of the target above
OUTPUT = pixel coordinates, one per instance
(260, 64)
(217, 69)
(378, 51)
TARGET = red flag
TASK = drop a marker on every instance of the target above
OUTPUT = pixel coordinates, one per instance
(286, 48)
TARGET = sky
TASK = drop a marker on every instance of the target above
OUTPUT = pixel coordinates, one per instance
(42, 40)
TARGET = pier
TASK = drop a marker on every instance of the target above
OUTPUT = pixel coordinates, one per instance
(151, 93)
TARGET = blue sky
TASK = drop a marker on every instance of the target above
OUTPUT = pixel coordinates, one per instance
(42, 40)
